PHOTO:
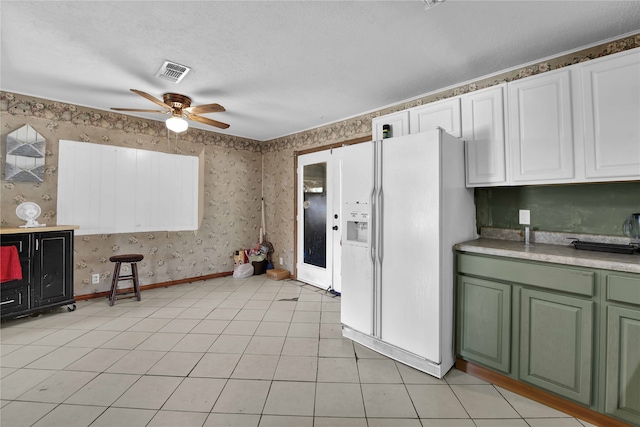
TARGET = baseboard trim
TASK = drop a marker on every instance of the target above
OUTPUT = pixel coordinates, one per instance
(155, 285)
(533, 393)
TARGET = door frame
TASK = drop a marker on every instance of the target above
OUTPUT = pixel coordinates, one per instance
(295, 188)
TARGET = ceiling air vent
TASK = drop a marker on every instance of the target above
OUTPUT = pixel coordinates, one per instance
(172, 71)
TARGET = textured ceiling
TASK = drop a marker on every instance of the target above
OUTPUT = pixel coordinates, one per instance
(280, 67)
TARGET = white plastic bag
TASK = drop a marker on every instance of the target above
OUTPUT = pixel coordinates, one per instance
(243, 271)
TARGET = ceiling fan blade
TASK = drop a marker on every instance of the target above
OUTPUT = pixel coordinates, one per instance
(141, 111)
(203, 109)
(151, 98)
(206, 121)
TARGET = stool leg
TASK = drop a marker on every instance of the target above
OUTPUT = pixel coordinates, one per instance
(136, 283)
(114, 284)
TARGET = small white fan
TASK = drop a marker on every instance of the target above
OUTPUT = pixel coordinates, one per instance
(29, 211)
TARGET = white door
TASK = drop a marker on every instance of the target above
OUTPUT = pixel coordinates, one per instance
(318, 219)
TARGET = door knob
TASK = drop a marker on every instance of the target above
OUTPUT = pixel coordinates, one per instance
(335, 227)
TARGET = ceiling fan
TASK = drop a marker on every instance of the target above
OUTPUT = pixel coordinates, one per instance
(178, 106)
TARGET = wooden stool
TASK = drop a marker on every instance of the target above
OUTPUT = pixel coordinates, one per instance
(119, 259)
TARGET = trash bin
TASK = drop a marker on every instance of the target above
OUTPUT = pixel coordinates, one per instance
(258, 267)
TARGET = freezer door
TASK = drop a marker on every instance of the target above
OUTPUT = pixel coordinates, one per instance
(357, 173)
(409, 243)
(357, 289)
(357, 301)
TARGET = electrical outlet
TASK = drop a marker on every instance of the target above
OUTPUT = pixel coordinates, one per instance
(95, 279)
(281, 261)
(525, 217)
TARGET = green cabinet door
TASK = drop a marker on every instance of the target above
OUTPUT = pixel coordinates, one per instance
(484, 322)
(556, 343)
(622, 396)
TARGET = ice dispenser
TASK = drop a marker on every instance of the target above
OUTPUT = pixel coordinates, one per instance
(358, 227)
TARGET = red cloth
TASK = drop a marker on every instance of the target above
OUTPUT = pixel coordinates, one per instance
(10, 268)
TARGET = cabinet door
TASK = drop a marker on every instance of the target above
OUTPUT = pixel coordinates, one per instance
(611, 89)
(53, 275)
(399, 123)
(556, 343)
(483, 132)
(444, 114)
(484, 322)
(622, 396)
(540, 129)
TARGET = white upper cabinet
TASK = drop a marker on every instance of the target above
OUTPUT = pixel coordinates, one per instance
(444, 114)
(483, 130)
(611, 116)
(541, 129)
(398, 122)
(580, 123)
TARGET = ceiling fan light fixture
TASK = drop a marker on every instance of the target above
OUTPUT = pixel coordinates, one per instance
(176, 124)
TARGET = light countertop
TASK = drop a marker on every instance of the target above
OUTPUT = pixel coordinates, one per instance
(553, 253)
(19, 230)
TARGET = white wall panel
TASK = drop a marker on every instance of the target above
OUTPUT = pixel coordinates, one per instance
(80, 207)
(165, 215)
(125, 196)
(106, 189)
(66, 160)
(143, 185)
(93, 196)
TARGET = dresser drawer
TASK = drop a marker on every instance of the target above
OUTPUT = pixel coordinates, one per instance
(22, 242)
(13, 299)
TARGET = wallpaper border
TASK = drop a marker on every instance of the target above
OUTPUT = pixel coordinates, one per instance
(354, 127)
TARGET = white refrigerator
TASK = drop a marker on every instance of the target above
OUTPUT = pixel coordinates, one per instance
(404, 207)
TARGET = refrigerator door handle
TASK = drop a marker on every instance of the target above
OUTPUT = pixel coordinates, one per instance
(379, 201)
(378, 224)
(381, 217)
(372, 206)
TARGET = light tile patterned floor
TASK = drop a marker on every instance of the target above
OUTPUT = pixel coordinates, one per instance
(230, 352)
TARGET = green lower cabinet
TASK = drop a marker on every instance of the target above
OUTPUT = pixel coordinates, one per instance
(622, 395)
(556, 343)
(484, 322)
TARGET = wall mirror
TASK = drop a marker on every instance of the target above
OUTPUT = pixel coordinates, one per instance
(25, 155)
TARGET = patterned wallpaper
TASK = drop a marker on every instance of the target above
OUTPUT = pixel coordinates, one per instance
(232, 192)
(232, 178)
